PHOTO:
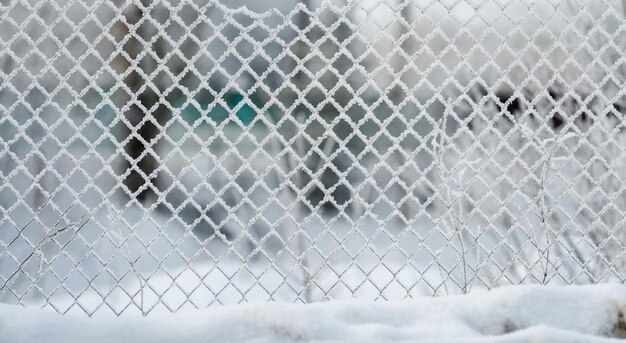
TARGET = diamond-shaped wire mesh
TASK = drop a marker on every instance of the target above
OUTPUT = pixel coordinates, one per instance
(175, 154)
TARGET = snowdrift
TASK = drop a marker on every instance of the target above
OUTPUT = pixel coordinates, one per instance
(509, 314)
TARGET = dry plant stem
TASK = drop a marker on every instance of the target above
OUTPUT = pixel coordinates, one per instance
(302, 245)
(438, 162)
(303, 248)
(440, 268)
(37, 251)
(301, 53)
(459, 235)
(475, 245)
(544, 253)
(477, 266)
(543, 209)
(290, 164)
(444, 176)
(128, 257)
(457, 213)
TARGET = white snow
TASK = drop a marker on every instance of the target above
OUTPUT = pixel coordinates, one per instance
(508, 314)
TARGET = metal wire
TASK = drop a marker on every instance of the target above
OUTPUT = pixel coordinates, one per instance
(170, 155)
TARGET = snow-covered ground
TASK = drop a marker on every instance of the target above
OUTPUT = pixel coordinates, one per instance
(509, 314)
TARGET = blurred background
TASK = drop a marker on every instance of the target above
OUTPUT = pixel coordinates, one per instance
(170, 155)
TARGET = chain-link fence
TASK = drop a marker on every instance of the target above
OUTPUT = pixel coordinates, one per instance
(175, 154)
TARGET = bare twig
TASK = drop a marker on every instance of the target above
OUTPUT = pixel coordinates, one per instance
(37, 251)
(128, 257)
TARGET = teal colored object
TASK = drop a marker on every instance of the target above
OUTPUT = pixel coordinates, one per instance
(218, 112)
(245, 113)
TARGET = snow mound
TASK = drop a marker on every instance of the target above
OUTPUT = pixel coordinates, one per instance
(509, 314)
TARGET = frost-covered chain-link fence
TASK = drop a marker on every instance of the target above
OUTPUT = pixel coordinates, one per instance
(175, 154)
